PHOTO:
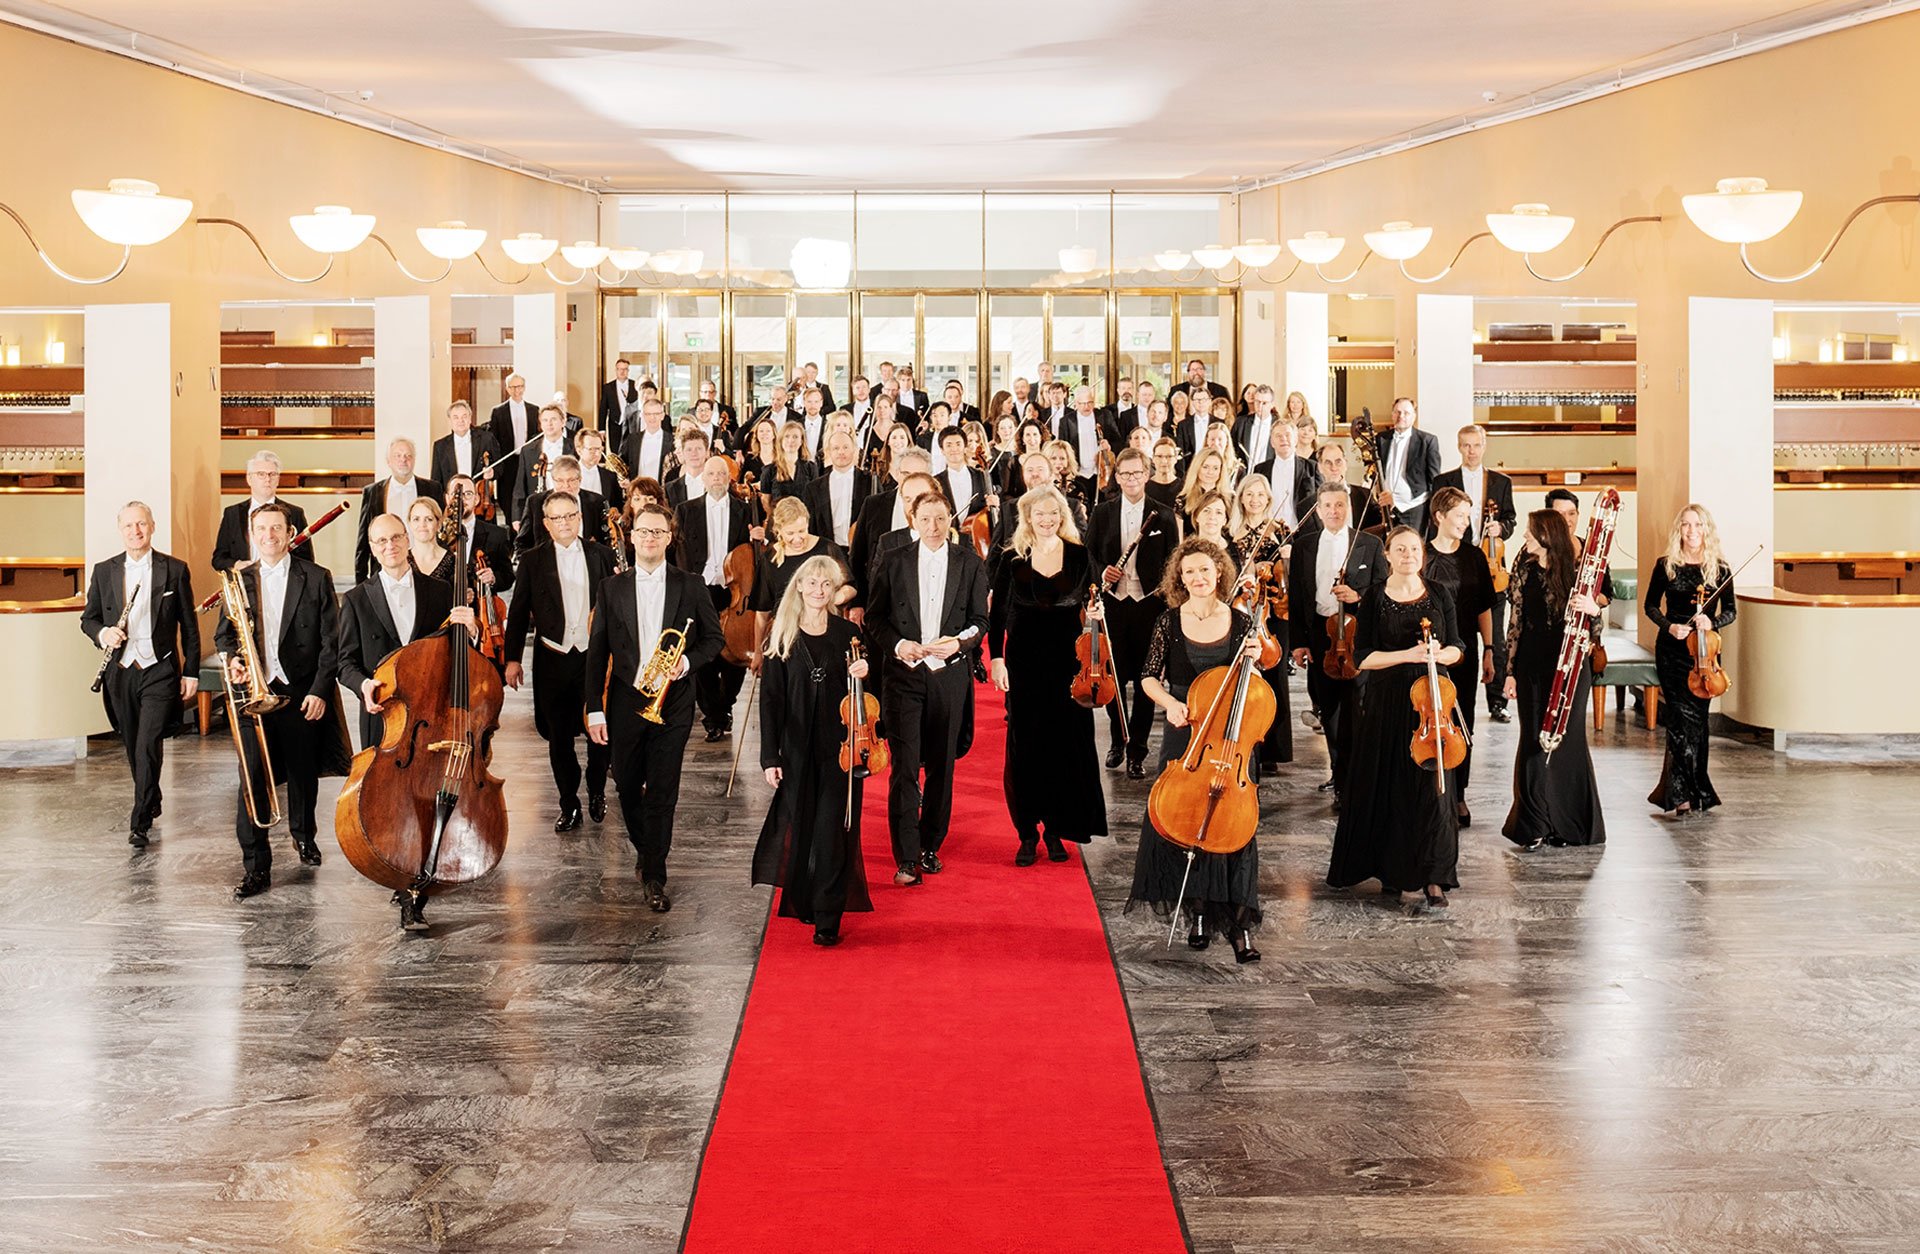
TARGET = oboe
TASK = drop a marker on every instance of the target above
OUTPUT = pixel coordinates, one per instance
(106, 663)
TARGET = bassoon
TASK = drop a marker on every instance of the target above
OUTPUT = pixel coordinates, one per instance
(1576, 639)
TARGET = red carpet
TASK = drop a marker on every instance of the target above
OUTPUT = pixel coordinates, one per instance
(959, 1074)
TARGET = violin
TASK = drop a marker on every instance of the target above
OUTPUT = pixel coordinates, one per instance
(1708, 679)
(1343, 631)
(980, 530)
(1093, 683)
(1495, 547)
(483, 502)
(491, 613)
(540, 469)
(1440, 742)
(421, 813)
(862, 752)
(1252, 591)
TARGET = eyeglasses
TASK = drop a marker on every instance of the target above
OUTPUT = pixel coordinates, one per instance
(652, 533)
(568, 517)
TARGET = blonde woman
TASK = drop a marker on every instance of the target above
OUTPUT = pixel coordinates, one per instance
(807, 848)
(780, 562)
(791, 471)
(1208, 474)
(1693, 564)
(1039, 595)
(1252, 545)
(1066, 473)
(423, 529)
(1219, 438)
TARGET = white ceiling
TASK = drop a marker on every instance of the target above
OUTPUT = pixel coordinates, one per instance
(1001, 94)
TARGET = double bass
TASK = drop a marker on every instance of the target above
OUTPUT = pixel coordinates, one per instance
(420, 812)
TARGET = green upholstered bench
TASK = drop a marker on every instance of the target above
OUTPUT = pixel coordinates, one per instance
(1629, 665)
(209, 684)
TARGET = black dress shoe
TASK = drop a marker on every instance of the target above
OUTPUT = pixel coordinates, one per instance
(1136, 769)
(826, 940)
(252, 886)
(309, 852)
(1116, 755)
(1500, 715)
(908, 875)
(1198, 940)
(931, 864)
(1056, 852)
(1248, 954)
(1329, 786)
(569, 820)
(1463, 816)
(716, 734)
(655, 892)
(1029, 852)
(137, 839)
(597, 807)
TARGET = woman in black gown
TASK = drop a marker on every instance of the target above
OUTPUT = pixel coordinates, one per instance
(1039, 594)
(1692, 565)
(807, 847)
(777, 563)
(1458, 565)
(1199, 632)
(425, 552)
(1555, 800)
(791, 471)
(1258, 539)
(1396, 826)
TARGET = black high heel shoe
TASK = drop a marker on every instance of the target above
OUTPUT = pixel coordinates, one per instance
(1029, 851)
(1197, 938)
(1056, 852)
(1244, 952)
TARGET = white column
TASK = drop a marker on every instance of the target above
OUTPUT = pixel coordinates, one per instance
(1730, 426)
(1303, 352)
(129, 417)
(1258, 338)
(402, 376)
(536, 340)
(1443, 368)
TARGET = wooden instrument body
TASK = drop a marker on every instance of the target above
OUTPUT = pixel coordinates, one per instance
(1093, 682)
(1708, 679)
(490, 615)
(1206, 799)
(1495, 547)
(1576, 639)
(483, 502)
(737, 621)
(979, 529)
(1440, 741)
(1343, 630)
(386, 812)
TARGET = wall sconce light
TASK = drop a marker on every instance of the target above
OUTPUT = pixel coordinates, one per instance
(1782, 347)
(329, 229)
(1826, 350)
(1077, 259)
(1172, 260)
(451, 241)
(1530, 228)
(131, 213)
(1317, 248)
(13, 354)
(1399, 241)
(529, 248)
(56, 352)
(627, 260)
(321, 339)
(1214, 256)
(1746, 211)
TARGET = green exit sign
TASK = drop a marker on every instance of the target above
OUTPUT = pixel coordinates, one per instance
(696, 340)
(1141, 339)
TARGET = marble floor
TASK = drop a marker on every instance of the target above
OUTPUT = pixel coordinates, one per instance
(1701, 1036)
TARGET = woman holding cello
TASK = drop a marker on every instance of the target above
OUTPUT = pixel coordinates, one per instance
(1200, 632)
(1398, 825)
(1040, 611)
(1678, 604)
(810, 844)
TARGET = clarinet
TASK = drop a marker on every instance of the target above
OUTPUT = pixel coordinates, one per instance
(1576, 639)
(106, 663)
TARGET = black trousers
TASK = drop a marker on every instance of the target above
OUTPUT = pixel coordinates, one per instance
(646, 770)
(144, 704)
(294, 744)
(1130, 624)
(716, 686)
(1415, 518)
(924, 712)
(1496, 699)
(1334, 698)
(560, 716)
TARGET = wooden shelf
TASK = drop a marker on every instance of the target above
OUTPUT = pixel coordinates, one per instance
(234, 482)
(42, 481)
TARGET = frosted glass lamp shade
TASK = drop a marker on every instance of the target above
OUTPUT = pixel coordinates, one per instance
(584, 255)
(1530, 228)
(1171, 260)
(1742, 211)
(1399, 241)
(628, 259)
(332, 229)
(1079, 259)
(1256, 253)
(450, 241)
(1213, 256)
(529, 248)
(1317, 248)
(131, 212)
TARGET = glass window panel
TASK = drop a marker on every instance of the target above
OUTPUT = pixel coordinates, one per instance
(953, 345)
(886, 334)
(684, 224)
(633, 332)
(801, 241)
(1146, 341)
(693, 348)
(1206, 333)
(1145, 225)
(1080, 342)
(822, 336)
(759, 347)
(1025, 236)
(919, 241)
(1016, 334)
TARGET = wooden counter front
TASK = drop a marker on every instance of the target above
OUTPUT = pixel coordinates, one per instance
(1794, 659)
(48, 700)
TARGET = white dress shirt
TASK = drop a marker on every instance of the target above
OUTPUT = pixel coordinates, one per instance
(860, 411)
(254, 507)
(840, 500)
(1259, 437)
(136, 590)
(1327, 564)
(933, 591)
(400, 602)
(1089, 432)
(1131, 517)
(650, 607)
(571, 562)
(1284, 506)
(520, 419)
(696, 485)
(653, 450)
(1396, 472)
(463, 454)
(718, 516)
(551, 449)
(961, 481)
(273, 604)
(1474, 484)
(899, 511)
(401, 496)
(814, 426)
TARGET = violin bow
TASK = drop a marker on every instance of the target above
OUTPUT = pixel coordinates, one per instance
(1758, 549)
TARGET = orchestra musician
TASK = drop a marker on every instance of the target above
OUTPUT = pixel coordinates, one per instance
(1691, 563)
(648, 445)
(1409, 464)
(565, 477)
(554, 593)
(1206, 475)
(1317, 584)
(1455, 564)
(1396, 826)
(159, 662)
(512, 423)
(709, 527)
(1211, 514)
(687, 470)
(1040, 593)
(723, 414)
(1130, 524)
(779, 409)
(1555, 799)
(1165, 484)
(1253, 430)
(233, 546)
(1077, 488)
(381, 615)
(638, 605)
(464, 449)
(1219, 437)
(1294, 480)
(393, 495)
(619, 404)
(1484, 487)
(833, 499)
(881, 513)
(427, 555)
(792, 469)
(860, 408)
(813, 424)
(1199, 392)
(595, 476)
(808, 848)
(1198, 632)
(778, 563)
(1362, 508)
(1257, 537)
(963, 483)
(928, 609)
(292, 612)
(554, 443)
(908, 397)
(478, 535)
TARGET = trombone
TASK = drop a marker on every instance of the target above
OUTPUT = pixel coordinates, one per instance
(250, 700)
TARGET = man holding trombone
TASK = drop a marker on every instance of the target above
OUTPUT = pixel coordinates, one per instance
(278, 643)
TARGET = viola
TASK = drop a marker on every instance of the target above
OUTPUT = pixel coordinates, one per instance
(1093, 682)
(862, 752)
(1251, 593)
(1440, 742)
(1495, 547)
(1708, 679)
(483, 502)
(420, 812)
(980, 530)
(738, 623)
(1343, 630)
(491, 614)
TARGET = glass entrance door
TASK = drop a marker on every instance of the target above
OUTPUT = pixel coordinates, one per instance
(694, 352)
(759, 348)
(952, 326)
(1079, 338)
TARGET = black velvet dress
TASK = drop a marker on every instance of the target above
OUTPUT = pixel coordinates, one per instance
(1669, 600)
(806, 846)
(1052, 775)
(1468, 579)
(1277, 747)
(1554, 800)
(1395, 826)
(1223, 891)
(770, 578)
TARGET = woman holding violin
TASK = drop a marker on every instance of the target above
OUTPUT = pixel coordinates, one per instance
(1041, 620)
(792, 546)
(1690, 599)
(1457, 564)
(1398, 824)
(1200, 632)
(1258, 539)
(810, 843)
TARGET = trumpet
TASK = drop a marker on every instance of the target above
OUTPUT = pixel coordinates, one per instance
(248, 699)
(654, 677)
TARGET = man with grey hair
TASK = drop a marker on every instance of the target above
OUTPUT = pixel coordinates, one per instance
(464, 449)
(393, 495)
(1081, 427)
(233, 545)
(883, 513)
(155, 662)
(514, 420)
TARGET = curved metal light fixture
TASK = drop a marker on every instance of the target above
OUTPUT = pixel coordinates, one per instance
(1580, 269)
(1832, 244)
(1435, 278)
(417, 278)
(451, 241)
(131, 213)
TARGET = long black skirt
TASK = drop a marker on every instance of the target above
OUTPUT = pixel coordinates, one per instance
(1223, 890)
(1554, 799)
(1683, 775)
(1396, 826)
(809, 851)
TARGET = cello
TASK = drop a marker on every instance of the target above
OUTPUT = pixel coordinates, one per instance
(420, 812)
(862, 752)
(1440, 741)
